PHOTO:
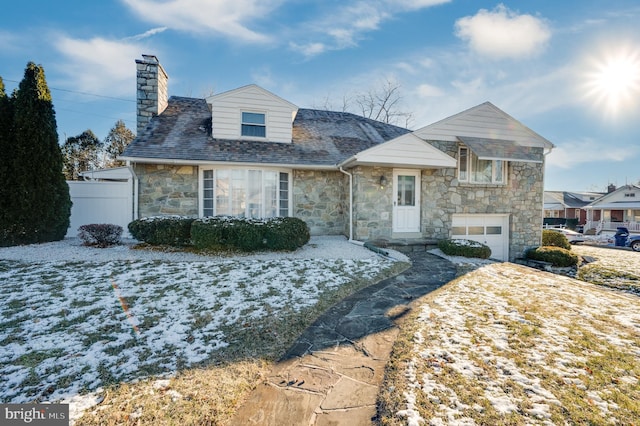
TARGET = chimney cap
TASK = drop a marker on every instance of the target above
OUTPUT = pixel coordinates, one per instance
(148, 59)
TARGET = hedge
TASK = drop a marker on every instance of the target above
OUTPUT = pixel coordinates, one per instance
(163, 230)
(555, 239)
(466, 248)
(224, 232)
(557, 256)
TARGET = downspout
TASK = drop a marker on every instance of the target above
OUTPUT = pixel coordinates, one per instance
(350, 203)
(135, 190)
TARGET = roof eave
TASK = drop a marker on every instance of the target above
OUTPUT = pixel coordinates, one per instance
(175, 161)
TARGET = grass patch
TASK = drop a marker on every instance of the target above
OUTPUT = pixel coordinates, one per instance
(210, 392)
(526, 351)
(32, 359)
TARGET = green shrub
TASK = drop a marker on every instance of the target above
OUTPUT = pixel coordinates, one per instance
(100, 234)
(286, 233)
(466, 248)
(557, 256)
(223, 232)
(157, 230)
(555, 239)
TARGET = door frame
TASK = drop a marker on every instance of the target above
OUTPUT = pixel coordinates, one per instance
(417, 173)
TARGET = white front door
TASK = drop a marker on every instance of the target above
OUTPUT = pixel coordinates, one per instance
(406, 203)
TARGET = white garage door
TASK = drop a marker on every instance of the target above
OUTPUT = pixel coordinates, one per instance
(491, 230)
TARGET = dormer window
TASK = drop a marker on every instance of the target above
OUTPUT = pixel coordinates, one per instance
(254, 125)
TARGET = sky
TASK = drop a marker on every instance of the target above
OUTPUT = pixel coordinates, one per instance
(569, 70)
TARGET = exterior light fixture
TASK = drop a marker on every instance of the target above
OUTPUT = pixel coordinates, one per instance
(383, 182)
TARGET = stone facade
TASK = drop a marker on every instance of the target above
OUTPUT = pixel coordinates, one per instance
(442, 196)
(320, 198)
(372, 203)
(152, 91)
(167, 190)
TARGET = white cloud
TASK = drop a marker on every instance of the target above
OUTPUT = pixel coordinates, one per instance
(343, 27)
(10, 42)
(99, 65)
(571, 154)
(416, 4)
(429, 91)
(226, 18)
(502, 33)
(147, 34)
(309, 49)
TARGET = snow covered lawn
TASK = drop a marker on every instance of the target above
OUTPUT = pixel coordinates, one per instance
(506, 344)
(73, 318)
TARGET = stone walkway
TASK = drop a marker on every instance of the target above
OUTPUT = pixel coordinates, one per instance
(331, 375)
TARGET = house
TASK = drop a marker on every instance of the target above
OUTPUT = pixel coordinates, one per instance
(248, 152)
(567, 205)
(619, 207)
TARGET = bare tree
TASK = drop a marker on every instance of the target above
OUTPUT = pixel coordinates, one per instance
(381, 103)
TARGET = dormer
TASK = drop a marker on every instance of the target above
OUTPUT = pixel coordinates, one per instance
(252, 113)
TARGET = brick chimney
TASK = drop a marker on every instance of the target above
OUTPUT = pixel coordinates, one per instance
(152, 91)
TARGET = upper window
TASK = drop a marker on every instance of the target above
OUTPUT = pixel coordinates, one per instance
(254, 125)
(475, 170)
(629, 194)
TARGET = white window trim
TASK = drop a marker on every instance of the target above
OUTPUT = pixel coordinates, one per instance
(470, 156)
(202, 169)
(266, 124)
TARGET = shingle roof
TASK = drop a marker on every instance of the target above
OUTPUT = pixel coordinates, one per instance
(322, 138)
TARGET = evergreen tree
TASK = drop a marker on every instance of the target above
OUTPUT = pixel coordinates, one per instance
(6, 159)
(39, 202)
(116, 141)
(81, 153)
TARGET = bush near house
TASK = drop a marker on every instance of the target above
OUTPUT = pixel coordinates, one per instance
(557, 256)
(224, 232)
(555, 239)
(163, 230)
(100, 234)
(466, 248)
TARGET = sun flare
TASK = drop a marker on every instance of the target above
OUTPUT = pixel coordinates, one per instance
(614, 80)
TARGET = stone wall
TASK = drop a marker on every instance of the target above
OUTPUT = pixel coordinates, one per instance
(320, 198)
(167, 190)
(521, 198)
(442, 196)
(372, 203)
(152, 94)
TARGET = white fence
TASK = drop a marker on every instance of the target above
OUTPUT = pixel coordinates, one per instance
(612, 226)
(100, 202)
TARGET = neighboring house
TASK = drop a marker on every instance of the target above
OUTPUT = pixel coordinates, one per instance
(568, 205)
(248, 152)
(620, 207)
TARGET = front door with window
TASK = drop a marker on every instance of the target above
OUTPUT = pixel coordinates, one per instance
(406, 201)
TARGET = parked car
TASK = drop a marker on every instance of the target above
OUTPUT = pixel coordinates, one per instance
(572, 236)
(633, 241)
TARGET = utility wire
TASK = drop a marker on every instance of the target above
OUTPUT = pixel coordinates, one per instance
(81, 93)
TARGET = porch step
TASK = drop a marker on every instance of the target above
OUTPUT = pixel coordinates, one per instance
(406, 245)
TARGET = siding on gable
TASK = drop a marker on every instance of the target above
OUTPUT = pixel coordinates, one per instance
(484, 121)
(227, 114)
(407, 150)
